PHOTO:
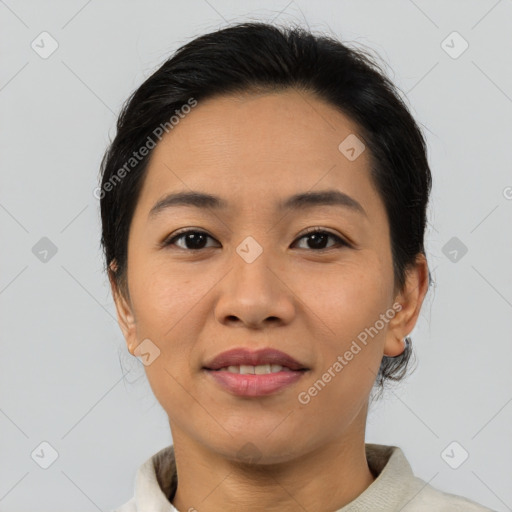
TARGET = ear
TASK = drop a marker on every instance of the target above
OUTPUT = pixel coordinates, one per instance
(125, 316)
(409, 300)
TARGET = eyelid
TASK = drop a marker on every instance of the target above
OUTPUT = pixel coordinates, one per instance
(169, 240)
(319, 229)
(341, 241)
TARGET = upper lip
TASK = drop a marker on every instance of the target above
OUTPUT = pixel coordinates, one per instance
(244, 356)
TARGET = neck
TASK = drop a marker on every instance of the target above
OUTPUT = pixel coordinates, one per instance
(326, 478)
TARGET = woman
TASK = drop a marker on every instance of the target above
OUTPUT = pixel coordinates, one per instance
(263, 209)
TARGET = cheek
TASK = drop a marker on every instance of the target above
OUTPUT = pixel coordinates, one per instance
(348, 296)
(172, 309)
(350, 304)
(164, 295)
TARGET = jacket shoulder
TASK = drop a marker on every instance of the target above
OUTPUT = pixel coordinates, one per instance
(429, 498)
(129, 506)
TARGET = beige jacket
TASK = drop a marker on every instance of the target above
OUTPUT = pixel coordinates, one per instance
(394, 489)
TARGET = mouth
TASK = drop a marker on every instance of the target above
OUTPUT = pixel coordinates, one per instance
(261, 369)
(254, 373)
(267, 360)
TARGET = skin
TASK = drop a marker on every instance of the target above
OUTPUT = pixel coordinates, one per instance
(253, 151)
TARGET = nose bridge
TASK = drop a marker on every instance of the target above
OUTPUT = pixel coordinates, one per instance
(252, 268)
(253, 291)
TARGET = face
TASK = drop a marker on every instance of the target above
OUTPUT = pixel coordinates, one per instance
(250, 276)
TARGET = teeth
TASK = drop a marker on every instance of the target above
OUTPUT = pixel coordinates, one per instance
(261, 369)
(245, 369)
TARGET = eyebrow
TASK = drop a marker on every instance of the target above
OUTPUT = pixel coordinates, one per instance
(296, 202)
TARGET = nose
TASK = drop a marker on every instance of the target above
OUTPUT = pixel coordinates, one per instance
(255, 294)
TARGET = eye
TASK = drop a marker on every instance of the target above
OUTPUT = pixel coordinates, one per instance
(318, 237)
(193, 240)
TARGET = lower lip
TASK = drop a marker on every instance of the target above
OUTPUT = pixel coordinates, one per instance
(255, 385)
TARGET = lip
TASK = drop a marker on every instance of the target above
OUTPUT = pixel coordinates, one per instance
(254, 384)
(239, 356)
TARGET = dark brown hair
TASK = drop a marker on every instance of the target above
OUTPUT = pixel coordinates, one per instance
(251, 57)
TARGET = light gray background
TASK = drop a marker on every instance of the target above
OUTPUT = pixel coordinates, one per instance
(60, 375)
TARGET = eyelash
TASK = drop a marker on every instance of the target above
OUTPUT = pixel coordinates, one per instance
(340, 242)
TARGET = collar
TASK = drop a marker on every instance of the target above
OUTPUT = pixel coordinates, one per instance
(393, 487)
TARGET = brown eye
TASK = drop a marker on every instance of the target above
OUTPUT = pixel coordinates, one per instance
(318, 238)
(193, 240)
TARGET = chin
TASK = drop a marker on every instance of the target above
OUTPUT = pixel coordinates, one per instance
(258, 448)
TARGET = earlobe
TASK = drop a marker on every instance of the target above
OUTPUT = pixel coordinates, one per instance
(125, 316)
(410, 300)
(395, 347)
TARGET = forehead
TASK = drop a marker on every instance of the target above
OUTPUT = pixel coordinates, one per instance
(258, 148)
